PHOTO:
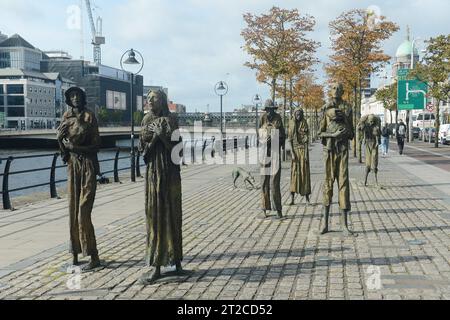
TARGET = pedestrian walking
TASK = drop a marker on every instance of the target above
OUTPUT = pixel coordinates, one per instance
(401, 136)
(385, 136)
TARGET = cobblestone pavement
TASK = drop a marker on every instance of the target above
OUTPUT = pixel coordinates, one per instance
(402, 251)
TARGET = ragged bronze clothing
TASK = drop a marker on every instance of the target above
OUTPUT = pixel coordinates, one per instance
(372, 139)
(82, 170)
(163, 203)
(84, 133)
(271, 161)
(336, 155)
(81, 188)
(336, 168)
(300, 168)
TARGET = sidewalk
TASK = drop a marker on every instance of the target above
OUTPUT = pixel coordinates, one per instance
(402, 251)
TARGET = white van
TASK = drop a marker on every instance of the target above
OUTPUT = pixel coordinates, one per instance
(430, 118)
(444, 133)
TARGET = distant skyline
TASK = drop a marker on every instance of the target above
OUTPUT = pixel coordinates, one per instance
(190, 45)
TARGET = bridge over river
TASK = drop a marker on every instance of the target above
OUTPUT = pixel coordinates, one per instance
(46, 138)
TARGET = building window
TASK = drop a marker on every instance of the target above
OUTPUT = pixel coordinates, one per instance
(16, 112)
(16, 101)
(14, 88)
(1, 89)
(116, 100)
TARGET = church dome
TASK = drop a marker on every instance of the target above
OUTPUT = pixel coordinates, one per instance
(405, 49)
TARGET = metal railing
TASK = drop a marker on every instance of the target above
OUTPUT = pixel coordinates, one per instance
(229, 144)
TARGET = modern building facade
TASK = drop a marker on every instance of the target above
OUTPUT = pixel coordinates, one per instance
(30, 99)
(105, 87)
(17, 53)
(33, 84)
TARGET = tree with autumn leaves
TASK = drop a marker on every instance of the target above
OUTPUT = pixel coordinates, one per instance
(387, 95)
(279, 47)
(311, 97)
(434, 69)
(357, 39)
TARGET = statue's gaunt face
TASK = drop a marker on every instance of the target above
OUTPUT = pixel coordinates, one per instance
(155, 103)
(337, 91)
(75, 99)
(299, 115)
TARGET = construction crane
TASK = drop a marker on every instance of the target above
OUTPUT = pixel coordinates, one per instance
(97, 34)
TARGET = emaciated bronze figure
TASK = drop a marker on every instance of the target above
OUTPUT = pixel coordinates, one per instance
(300, 170)
(336, 132)
(79, 141)
(371, 135)
(271, 125)
(163, 208)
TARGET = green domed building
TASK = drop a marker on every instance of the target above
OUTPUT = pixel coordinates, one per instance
(403, 55)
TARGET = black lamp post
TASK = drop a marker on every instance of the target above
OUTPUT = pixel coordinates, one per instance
(221, 90)
(131, 60)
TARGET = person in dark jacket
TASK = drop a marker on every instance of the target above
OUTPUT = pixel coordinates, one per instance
(401, 136)
(385, 136)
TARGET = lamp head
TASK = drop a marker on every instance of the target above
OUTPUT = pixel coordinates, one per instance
(131, 58)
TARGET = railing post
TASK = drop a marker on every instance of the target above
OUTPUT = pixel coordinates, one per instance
(138, 164)
(116, 167)
(53, 192)
(213, 149)
(205, 143)
(183, 153)
(193, 151)
(5, 191)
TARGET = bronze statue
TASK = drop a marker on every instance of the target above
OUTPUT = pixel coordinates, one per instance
(300, 170)
(371, 135)
(336, 132)
(247, 177)
(79, 141)
(163, 207)
(271, 126)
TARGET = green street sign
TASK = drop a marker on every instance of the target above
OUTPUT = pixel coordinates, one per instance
(412, 93)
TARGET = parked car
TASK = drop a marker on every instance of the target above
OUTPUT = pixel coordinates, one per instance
(428, 133)
(416, 132)
(444, 134)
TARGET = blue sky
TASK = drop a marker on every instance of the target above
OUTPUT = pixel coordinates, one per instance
(189, 45)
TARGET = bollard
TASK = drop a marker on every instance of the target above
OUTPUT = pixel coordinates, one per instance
(53, 192)
(116, 167)
(5, 192)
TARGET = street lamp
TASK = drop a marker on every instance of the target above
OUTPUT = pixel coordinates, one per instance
(410, 133)
(221, 90)
(132, 61)
(257, 100)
